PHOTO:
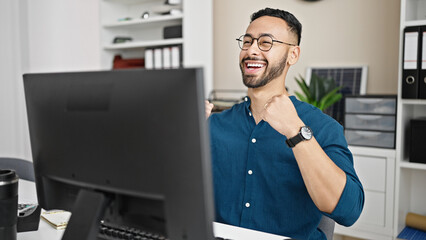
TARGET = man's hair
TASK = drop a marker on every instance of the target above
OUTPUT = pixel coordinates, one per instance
(294, 25)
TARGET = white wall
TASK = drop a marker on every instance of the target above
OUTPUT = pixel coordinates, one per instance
(63, 35)
(335, 33)
(12, 62)
(40, 36)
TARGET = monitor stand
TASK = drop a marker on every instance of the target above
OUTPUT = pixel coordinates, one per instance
(87, 213)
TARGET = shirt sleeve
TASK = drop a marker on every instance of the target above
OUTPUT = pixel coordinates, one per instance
(351, 202)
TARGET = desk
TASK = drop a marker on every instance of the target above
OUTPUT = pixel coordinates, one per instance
(27, 194)
(45, 232)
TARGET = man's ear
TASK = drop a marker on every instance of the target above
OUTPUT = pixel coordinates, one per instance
(293, 55)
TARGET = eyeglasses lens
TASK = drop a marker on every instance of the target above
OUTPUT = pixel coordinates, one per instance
(264, 42)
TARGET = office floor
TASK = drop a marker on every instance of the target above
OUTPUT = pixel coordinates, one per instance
(341, 237)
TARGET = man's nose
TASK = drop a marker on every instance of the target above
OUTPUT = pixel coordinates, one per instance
(254, 48)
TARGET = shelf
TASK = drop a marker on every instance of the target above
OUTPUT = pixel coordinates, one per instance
(411, 165)
(153, 19)
(129, 2)
(413, 10)
(413, 101)
(148, 33)
(414, 23)
(143, 44)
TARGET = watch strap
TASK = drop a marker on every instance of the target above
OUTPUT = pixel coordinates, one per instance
(291, 142)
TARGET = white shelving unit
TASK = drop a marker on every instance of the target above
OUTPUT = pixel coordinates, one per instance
(143, 44)
(141, 22)
(410, 181)
(123, 18)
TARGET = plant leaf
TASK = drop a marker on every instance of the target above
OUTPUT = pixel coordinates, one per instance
(301, 97)
(321, 92)
(313, 87)
(329, 84)
(321, 85)
(327, 97)
(304, 87)
(330, 98)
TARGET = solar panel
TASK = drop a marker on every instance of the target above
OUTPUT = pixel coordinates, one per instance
(353, 80)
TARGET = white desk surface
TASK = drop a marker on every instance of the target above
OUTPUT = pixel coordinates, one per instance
(27, 194)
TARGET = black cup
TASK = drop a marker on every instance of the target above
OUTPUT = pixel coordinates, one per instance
(8, 204)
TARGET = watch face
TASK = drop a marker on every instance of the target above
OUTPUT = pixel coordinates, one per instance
(306, 132)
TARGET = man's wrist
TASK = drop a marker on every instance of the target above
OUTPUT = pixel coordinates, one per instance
(304, 134)
(294, 130)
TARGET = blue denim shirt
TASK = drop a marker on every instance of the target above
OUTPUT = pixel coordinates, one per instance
(257, 182)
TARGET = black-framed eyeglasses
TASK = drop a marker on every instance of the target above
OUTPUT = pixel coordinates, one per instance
(264, 42)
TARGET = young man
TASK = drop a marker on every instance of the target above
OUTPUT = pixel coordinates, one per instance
(279, 164)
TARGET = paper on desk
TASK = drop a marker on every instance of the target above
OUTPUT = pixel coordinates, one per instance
(238, 233)
(56, 218)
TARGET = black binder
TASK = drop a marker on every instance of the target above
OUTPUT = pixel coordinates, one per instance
(422, 63)
(411, 64)
(417, 132)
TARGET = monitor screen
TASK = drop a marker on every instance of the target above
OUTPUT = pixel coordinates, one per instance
(128, 146)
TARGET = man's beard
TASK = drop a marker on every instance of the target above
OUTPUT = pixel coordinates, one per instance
(271, 72)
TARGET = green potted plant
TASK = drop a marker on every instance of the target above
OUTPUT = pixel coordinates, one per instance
(321, 92)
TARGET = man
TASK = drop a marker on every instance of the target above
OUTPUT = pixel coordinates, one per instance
(271, 171)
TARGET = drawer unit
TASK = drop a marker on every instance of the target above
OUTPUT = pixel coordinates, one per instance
(370, 120)
(371, 105)
(370, 138)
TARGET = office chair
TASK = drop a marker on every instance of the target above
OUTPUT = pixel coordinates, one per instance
(326, 225)
(23, 168)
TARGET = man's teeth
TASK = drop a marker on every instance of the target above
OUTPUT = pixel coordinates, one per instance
(257, 65)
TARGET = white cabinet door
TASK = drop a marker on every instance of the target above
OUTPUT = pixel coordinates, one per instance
(375, 168)
(371, 171)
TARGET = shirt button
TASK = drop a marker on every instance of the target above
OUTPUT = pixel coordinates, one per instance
(250, 172)
(246, 99)
(250, 114)
(253, 140)
(247, 205)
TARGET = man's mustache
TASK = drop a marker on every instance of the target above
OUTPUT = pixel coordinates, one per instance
(254, 59)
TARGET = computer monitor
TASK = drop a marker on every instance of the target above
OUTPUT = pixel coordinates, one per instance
(128, 146)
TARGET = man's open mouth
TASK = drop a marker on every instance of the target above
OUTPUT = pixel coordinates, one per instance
(252, 67)
(255, 65)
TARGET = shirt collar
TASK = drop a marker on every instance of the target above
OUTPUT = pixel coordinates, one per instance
(247, 101)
